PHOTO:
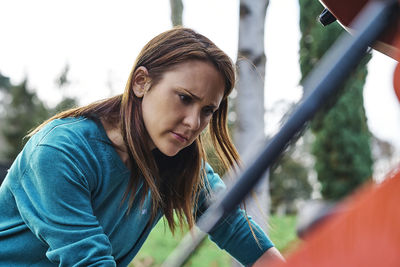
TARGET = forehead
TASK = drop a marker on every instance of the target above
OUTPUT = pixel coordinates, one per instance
(198, 77)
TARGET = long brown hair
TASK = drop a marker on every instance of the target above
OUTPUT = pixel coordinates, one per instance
(176, 188)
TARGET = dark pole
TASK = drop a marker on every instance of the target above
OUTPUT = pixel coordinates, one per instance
(322, 83)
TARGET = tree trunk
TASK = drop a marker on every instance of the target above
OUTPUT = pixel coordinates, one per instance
(176, 12)
(249, 136)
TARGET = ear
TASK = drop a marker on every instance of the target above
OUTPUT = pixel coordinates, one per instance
(140, 82)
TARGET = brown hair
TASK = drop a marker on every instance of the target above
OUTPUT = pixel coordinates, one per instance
(179, 193)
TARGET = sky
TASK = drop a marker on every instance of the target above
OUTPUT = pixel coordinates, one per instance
(101, 39)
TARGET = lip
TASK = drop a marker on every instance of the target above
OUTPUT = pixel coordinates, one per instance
(180, 137)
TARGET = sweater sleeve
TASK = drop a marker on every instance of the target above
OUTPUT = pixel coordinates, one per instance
(54, 200)
(233, 233)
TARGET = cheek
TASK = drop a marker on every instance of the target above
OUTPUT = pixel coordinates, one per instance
(204, 124)
(149, 115)
(158, 113)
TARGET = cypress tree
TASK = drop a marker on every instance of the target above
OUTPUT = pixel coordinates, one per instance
(342, 139)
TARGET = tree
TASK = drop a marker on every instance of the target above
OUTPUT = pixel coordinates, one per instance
(342, 139)
(5, 86)
(176, 12)
(249, 134)
(384, 155)
(291, 174)
(23, 110)
(4, 82)
(62, 82)
(288, 182)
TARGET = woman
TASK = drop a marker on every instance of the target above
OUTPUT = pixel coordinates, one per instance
(92, 182)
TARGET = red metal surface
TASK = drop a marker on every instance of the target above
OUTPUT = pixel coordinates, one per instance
(346, 10)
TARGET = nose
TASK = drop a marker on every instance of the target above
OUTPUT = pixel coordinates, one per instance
(193, 120)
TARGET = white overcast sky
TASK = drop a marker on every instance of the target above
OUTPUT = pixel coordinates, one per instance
(100, 40)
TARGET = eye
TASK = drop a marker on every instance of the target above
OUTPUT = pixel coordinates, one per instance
(208, 111)
(185, 99)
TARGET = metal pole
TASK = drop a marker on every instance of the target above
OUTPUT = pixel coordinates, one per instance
(322, 83)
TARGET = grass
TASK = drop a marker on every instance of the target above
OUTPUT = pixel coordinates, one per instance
(283, 233)
(161, 243)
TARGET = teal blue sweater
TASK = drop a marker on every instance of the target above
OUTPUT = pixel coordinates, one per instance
(61, 204)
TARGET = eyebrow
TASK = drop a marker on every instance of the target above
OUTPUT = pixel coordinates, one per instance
(199, 98)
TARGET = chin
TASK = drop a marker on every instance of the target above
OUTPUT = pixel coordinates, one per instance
(170, 152)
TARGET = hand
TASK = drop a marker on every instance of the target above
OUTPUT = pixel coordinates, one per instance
(271, 256)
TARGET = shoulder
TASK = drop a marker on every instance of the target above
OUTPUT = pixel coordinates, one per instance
(77, 141)
(73, 135)
(77, 129)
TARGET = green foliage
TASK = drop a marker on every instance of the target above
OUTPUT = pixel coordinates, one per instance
(23, 110)
(62, 81)
(64, 104)
(5, 86)
(288, 182)
(315, 39)
(342, 145)
(283, 232)
(4, 82)
(161, 243)
(342, 138)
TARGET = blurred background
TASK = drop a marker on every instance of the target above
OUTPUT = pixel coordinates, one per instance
(59, 54)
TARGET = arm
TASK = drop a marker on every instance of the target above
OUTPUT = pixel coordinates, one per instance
(234, 234)
(54, 200)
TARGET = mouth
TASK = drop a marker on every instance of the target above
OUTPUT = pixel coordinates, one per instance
(180, 137)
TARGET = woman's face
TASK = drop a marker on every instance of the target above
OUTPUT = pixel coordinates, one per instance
(180, 105)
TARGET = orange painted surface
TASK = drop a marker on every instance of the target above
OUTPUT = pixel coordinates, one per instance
(365, 233)
(396, 81)
(396, 75)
